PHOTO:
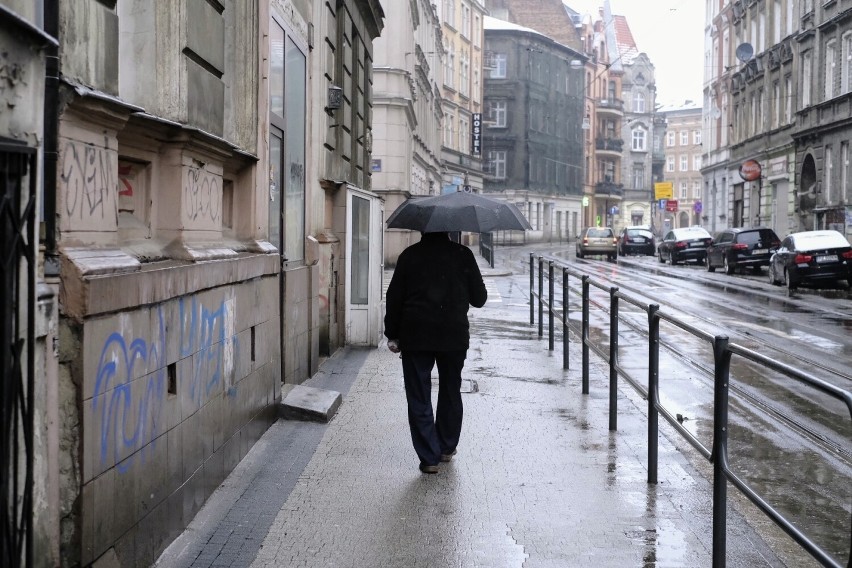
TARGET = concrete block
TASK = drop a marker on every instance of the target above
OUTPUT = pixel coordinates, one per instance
(104, 502)
(192, 448)
(310, 404)
(174, 463)
(243, 364)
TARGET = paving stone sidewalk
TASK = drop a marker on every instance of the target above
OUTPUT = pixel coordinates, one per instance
(539, 481)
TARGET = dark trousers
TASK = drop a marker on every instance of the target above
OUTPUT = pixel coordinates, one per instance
(438, 434)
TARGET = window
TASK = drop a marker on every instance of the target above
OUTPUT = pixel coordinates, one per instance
(776, 105)
(639, 136)
(830, 64)
(806, 79)
(670, 163)
(696, 137)
(684, 137)
(288, 109)
(788, 101)
(844, 168)
(464, 73)
(828, 170)
(497, 114)
(670, 139)
(477, 30)
(638, 101)
(464, 134)
(465, 29)
(360, 250)
(683, 189)
(760, 122)
(776, 22)
(449, 125)
(498, 66)
(450, 68)
(497, 161)
(638, 176)
(696, 162)
(684, 163)
(846, 63)
(789, 17)
(476, 85)
(696, 189)
(450, 12)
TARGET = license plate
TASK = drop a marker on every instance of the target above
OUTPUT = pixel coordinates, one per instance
(696, 245)
(639, 239)
(760, 251)
(826, 258)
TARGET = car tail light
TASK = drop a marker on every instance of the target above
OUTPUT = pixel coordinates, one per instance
(585, 241)
(847, 254)
(614, 240)
(680, 244)
(803, 258)
(740, 246)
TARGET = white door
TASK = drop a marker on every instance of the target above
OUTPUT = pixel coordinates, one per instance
(364, 268)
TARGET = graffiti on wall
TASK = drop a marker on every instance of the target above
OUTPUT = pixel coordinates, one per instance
(202, 195)
(128, 410)
(90, 176)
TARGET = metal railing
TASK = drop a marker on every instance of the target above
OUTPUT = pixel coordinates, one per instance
(18, 175)
(486, 247)
(723, 351)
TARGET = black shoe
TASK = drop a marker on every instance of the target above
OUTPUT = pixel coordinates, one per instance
(426, 468)
(448, 456)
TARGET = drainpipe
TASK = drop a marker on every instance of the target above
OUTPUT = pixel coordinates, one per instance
(51, 137)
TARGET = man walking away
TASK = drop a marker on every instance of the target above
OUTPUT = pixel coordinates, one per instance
(434, 284)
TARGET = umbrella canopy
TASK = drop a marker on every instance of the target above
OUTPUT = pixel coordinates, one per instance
(459, 211)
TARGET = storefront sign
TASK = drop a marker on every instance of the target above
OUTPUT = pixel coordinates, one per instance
(750, 170)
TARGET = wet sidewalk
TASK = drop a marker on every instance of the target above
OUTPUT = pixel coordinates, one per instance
(538, 481)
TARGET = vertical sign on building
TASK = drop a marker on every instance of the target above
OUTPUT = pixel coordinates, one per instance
(476, 134)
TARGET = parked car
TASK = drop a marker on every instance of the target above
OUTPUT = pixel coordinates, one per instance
(812, 258)
(684, 244)
(742, 247)
(597, 241)
(636, 240)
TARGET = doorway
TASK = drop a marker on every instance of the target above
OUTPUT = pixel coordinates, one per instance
(364, 268)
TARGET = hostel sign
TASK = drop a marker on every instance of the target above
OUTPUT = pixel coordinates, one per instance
(476, 134)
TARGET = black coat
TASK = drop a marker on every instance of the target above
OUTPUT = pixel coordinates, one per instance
(434, 283)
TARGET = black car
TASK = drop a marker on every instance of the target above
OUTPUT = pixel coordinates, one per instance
(811, 258)
(742, 247)
(636, 240)
(685, 244)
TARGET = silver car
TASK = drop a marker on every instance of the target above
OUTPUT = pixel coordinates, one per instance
(599, 241)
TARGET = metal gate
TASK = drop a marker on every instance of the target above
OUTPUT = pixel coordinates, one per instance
(17, 352)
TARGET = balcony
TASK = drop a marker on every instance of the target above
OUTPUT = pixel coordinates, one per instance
(611, 107)
(609, 189)
(609, 145)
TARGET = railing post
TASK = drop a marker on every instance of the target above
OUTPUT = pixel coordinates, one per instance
(585, 334)
(613, 358)
(540, 297)
(565, 327)
(532, 288)
(653, 390)
(721, 376)
(550, 305)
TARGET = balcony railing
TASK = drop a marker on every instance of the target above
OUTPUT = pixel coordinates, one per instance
(609, 188)
(614, 104)
(612, 144)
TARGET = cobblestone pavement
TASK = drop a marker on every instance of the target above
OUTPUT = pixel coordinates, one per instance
(538, 481)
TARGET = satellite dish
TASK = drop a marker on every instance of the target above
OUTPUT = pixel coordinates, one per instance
(745, 52)
(715, 113)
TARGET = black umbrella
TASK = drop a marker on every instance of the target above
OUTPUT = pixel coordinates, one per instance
(458, 211)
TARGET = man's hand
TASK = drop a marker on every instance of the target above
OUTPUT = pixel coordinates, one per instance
(393, 345)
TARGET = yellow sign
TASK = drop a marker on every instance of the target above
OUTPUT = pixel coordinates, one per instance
(664, 190)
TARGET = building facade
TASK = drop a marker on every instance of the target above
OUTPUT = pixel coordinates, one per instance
(29, 501)
(823, 124)
(408, 112)
(683, 155)
(210, 230)
(533, 144)
(461, 94)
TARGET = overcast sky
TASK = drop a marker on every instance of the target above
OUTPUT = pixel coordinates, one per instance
(671, 32)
